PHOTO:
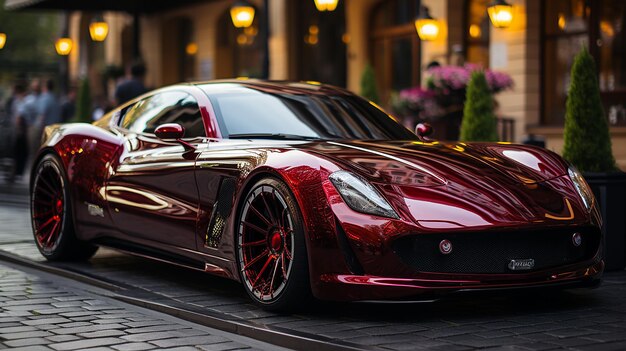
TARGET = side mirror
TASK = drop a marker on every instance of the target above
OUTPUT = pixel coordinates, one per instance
(173, 131)
(423, 130)
(169, 131)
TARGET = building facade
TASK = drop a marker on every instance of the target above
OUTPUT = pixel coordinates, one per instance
(197, 41)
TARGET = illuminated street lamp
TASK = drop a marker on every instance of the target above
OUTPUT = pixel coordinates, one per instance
(63, 46)
(242, 14)
(500, 13)
(426, 26)
(3, 40)
(326, 5)
(98, 29)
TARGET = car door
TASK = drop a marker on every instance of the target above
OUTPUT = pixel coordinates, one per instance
(151, 191)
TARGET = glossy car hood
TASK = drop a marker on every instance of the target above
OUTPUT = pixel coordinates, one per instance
(458, 185)
(434, 163)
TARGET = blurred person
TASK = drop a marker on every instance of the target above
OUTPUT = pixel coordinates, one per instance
(48, 106)
(68, 106)
(101, 107)
(30, 112)
(19, 112)
(133, 85)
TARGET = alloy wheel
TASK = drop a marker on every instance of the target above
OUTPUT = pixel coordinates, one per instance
(48, 206)
(265, 243)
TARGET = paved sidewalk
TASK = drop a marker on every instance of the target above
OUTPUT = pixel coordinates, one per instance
(43, 312)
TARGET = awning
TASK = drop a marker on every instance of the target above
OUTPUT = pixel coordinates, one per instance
(132, 6)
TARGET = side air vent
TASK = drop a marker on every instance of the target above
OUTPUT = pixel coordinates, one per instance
(353, 263)
(221, 209)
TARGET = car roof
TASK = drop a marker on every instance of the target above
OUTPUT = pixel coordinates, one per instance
(269, 86)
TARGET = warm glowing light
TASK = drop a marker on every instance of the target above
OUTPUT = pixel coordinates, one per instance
(346, 38)
(475, 31)
(242, 39)
(98, 30)
(326, 5)
(242, 14)
(311, 39)
(191, 49)
(63, 46)
(607, 28)
(3, 40)
(426, 26)
(427, 29)
(313, 29)
(251, 31)
(562, 22)
(500, 13)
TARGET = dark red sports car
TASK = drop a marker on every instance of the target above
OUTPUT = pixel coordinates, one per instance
(300, 189)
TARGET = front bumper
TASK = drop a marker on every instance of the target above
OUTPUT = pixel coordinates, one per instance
(347, 287)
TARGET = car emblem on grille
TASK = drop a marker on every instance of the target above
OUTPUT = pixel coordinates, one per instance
(577, 239)
(445, 246)
(521, 264)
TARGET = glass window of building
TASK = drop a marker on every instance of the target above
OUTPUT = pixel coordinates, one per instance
(318, 43)
(569, 25)
(178, 51)
(395, 46)
(240, 51)
(477, 32)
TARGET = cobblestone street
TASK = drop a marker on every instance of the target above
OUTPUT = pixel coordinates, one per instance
(575, 320)
(42, 312)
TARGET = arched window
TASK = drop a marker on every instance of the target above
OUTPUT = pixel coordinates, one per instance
(394, 46)
(477, 32)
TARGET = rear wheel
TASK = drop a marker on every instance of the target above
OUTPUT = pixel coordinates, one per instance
(51, 213)
(271, 248)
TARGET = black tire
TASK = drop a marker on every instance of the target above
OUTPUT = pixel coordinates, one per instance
(52, 216)
(284, 240)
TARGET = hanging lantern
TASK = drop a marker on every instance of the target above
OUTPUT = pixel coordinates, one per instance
(3, 40)
(500, 13)
(326, 5)
(98, 29)
(242, 14)
(426, 26)
(63, 46)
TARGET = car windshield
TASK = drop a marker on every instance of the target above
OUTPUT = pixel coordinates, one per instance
(252, 114)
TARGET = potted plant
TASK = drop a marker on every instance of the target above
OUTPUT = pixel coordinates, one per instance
(368, 85)
(441, 102)
(588, 147)
(479, 122)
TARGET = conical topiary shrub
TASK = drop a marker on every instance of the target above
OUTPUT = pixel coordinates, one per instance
(479, 123)
(83, 102)
(368, 85)
(586, 135)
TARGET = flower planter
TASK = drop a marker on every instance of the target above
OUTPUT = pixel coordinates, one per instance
(610, 192)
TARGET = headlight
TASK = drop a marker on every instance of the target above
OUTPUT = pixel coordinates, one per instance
(584, 190)
(360, 195)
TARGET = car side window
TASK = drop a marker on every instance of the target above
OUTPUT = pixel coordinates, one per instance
(168, 107)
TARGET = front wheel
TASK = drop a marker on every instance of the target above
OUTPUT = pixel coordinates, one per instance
(51, 214)
(271, 248)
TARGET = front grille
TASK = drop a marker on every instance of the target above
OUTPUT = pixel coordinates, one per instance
(491, 252)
